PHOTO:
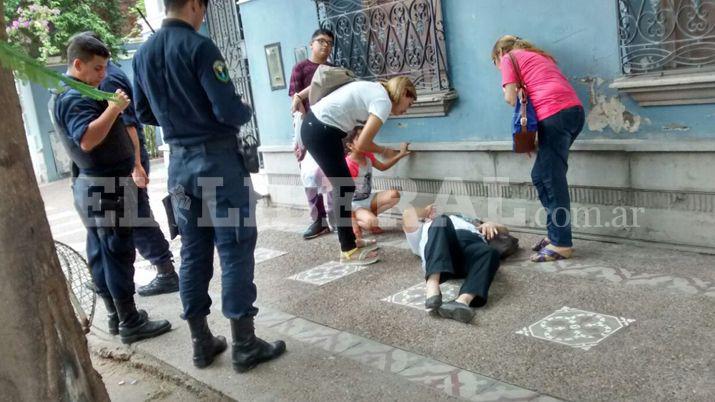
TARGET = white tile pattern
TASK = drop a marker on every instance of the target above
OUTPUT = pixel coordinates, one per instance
(325, 273)
(415, 295)
(576, 328)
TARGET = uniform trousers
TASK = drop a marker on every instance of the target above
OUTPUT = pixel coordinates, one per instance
(149, 240)
(457, 254)
(214, 205)
(110, 244)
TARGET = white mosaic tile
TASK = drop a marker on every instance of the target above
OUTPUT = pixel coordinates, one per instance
(325, 273)
(265, 254)
(415, 296)
(623, 276)
(576, 328)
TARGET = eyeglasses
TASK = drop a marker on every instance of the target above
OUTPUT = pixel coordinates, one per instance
(324, 42)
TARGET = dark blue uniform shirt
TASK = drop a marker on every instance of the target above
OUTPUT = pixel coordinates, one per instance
(73, 112)
(118, 79)
(181, 83)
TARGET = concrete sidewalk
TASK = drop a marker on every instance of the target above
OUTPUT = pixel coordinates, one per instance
(617, 322)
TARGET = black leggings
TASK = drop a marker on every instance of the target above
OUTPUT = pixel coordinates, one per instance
(326, 146)
(460, 254)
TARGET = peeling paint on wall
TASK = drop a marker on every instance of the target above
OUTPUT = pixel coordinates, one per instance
(609, 112)
(675, 127)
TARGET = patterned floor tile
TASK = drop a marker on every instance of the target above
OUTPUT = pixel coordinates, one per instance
(381, 356)
(623, 276)
(452, 380)
(415, 296)
(265, 254)
(269, 318)
(328, 339)
(325, 273)
(576, 328)
(500, 391)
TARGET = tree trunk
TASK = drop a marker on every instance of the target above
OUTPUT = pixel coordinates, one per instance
(43, 352)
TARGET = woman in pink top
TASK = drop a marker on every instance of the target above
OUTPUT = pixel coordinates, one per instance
(561, 118)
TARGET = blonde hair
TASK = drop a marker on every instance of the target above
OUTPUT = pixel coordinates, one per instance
(397, 87)
(507, 43)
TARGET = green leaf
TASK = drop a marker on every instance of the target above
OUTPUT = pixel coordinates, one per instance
(30, 69)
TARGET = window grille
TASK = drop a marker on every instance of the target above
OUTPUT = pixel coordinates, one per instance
(379, 39)
(663, 35)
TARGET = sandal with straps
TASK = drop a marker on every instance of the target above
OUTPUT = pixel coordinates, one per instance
(547, 255)
(543, 243)
(358, 256)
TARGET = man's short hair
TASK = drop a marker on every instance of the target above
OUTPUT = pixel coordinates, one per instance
(177, 4)
(323, 31)
(88, 33)
(85, 47)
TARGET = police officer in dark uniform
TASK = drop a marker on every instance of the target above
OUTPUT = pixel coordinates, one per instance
(181, 84)
(149, 240)
(104, 195)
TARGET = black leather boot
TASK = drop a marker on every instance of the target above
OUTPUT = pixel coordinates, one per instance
(113, 318)
(133, 326)
(206, 346)
(166, 281)
(249, 350)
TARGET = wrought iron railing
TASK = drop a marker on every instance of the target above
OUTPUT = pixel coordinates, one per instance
(658, 35)
(224, 25)
(378, 39)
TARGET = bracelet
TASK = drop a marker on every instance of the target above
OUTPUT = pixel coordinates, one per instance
(298, 95)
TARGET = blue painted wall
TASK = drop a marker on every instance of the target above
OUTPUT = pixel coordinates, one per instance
(581, 34)
(290, 23)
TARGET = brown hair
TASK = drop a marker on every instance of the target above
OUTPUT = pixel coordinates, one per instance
(507, 43)
(350, 138)
(397, 87)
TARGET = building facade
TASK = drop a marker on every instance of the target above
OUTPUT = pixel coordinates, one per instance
(641, 169)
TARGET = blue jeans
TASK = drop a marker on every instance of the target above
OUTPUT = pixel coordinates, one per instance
(556, 134)
(149, 240)
(214, 205)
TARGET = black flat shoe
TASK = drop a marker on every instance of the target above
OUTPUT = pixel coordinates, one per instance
(433, 302)
(457, 311)
(161, 284)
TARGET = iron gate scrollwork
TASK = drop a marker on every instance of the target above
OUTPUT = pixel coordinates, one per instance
(379, 39)
(660, 35)
(224, 24)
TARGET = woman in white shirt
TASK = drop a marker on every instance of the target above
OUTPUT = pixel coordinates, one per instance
(359, 103)
(452, 248)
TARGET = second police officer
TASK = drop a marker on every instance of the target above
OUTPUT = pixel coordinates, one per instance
(181, 83)
(96, 139)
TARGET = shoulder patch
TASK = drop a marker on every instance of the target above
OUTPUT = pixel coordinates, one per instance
(221, 71)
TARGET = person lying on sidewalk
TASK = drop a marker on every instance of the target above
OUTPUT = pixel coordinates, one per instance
(366, 205)
(452, 248)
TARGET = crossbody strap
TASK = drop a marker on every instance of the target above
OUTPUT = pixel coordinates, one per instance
(521, 90)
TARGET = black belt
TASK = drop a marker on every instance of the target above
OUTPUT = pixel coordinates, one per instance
(227, 142)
